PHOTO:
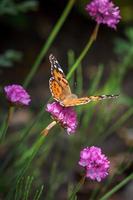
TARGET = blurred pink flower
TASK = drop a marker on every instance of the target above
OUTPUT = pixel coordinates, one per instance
(95, 163)
(17, 95)
(66, 116)
(105, 12)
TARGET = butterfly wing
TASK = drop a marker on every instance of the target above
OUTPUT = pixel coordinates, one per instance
(84, 100)
(56, 90)
(59, 76)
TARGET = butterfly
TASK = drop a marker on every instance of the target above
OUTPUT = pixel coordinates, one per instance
(61, 91)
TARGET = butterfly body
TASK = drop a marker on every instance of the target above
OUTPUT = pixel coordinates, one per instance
(61, 91)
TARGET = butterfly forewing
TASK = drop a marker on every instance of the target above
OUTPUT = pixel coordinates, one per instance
(55, 65)
(59, 76)
(56, 90)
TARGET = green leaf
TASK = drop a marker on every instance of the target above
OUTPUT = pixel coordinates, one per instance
(9, 58)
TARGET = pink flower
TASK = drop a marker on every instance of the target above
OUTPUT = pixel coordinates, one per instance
(66, 116)
(17, 95)
(95, 163)
(104, 12)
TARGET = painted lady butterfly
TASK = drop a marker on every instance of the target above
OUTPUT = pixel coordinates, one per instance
(61, 91)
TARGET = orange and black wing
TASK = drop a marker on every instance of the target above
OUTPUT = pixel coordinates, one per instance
(56, 90)
(84, 100)
(58, 75)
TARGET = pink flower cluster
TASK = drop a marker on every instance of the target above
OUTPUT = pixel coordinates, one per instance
(95, 163)
(67, 117)
(17, 95)
(105, 12)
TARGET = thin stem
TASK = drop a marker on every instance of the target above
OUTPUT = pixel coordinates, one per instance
(77, 188)
(117, 187)
(49, 41)
(85, 50)
(6, 122)
(47, 129)
(10, 113)
(32, 153)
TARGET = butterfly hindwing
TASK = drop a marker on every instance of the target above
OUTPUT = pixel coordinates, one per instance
(74, 102)
(85, 100)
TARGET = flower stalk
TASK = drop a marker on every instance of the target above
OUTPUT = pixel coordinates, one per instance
(10, 113)
(84, 51)
(77, 187)
(6, 122)
(95, 33)
(48, 128)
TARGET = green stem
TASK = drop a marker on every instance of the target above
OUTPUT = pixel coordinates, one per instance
(47, 129)
(10, 113)
(35, 148)
(49, 41)
(85, 50)
(77, 188)
(6, 122)
(117, 187)
(31, 154)
(26, 159)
